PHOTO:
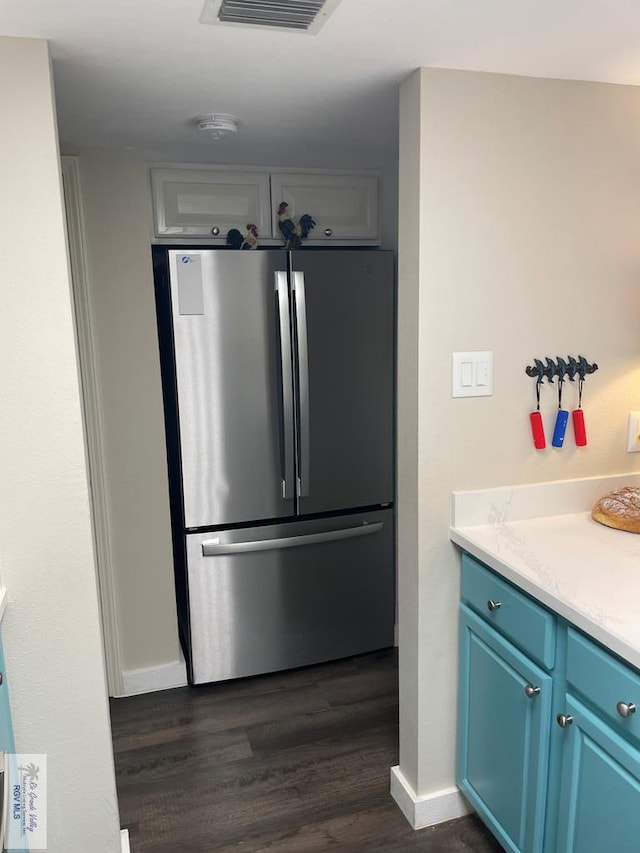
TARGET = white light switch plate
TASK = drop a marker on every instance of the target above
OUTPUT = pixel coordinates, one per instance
(472, 374)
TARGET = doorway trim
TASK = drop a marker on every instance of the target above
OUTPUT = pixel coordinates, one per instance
(93, 425)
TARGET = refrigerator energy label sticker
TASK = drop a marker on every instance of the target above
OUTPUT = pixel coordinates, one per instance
(190, 294)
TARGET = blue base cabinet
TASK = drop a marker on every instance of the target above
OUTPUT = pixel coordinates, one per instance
(7, 745)
(505, 704)
(548, 726)
(6, 729)
(600, 787)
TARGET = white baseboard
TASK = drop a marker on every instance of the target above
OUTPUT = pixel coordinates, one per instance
(162, 677)
(430, 809)
(124, 841)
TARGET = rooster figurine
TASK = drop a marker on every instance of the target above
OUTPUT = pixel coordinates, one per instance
(251, 239)
(294, 233)
(235, 240)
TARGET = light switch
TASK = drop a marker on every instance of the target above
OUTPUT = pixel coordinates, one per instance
(472, 374)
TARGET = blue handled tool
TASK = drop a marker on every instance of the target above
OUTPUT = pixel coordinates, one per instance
(562, 416)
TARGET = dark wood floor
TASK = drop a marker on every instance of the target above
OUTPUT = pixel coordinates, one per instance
(295, 762)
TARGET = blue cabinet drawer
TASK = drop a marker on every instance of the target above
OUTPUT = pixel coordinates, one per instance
(527, 624)
(604, 682)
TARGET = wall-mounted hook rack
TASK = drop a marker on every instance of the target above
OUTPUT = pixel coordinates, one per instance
(561, 368)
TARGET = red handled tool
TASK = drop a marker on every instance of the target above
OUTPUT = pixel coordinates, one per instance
(537, 425)
(577, 415)
(579, 428)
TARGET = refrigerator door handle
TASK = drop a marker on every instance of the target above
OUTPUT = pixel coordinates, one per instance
(214, 547)
(297, 279)
(286, 372)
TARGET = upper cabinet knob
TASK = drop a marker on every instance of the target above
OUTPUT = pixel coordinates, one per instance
(626, 709)
(328, 232)
(215, 230)
(493, 605)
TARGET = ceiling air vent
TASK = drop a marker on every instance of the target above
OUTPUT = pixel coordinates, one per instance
(302, 16)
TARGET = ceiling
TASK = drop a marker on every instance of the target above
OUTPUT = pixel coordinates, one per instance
(135, 74)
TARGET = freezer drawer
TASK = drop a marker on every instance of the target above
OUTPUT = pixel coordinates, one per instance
(270, 598)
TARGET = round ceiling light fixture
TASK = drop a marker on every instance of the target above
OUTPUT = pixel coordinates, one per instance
(217, 125)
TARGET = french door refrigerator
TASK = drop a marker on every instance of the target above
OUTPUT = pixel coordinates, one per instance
(278, 380)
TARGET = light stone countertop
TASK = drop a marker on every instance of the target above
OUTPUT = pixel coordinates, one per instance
(585, 572)
(3, 602)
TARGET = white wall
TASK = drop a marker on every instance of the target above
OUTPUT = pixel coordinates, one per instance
(407, 422)
(117, 210)
(51, 630)
(519, 212)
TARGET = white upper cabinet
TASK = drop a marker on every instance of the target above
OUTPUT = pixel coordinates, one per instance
(202, 203)
(345, 207)
(195, 202)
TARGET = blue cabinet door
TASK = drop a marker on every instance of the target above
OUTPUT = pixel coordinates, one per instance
(7, 745)
(600, 787)
(504, 726)
(6, 731)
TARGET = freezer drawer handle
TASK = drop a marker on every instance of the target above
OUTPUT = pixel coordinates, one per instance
(213, 547)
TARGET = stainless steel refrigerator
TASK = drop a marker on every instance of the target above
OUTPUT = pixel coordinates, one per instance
(278, 379)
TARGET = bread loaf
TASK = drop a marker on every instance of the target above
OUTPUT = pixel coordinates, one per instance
(619, 509)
